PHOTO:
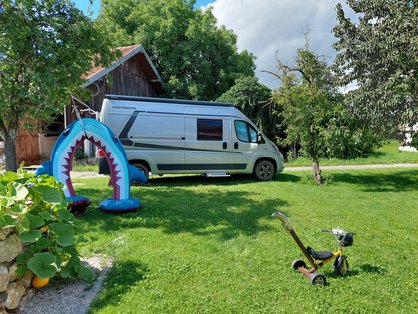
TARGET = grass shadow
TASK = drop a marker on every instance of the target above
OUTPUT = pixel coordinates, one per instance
(234, 179)
(285, 177)
(372, 269)
(121, 277)
(174, 208)
(399, 181)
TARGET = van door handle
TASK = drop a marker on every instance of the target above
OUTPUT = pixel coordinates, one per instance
(224, 145)
(236, 145)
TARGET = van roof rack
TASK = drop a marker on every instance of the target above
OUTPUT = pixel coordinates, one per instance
(169, 100)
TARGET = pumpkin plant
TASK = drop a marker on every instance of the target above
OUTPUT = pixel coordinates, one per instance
(37, 209)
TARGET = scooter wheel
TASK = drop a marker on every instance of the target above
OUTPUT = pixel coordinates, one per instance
(318, 279)
(298, 263)
(341, 265)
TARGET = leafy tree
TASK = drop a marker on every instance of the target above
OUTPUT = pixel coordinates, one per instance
(45, 47)
(310, 105)
(195, 58)
(254, 100)
(378, 53)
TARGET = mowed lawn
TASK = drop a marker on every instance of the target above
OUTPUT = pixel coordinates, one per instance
(389, 153)
(202, 245)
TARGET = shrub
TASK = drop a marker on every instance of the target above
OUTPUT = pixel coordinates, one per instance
(36, 208)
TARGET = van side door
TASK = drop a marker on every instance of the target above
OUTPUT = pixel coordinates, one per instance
(208, 143)
(157, 137)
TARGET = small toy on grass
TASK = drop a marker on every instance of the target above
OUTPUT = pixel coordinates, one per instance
(317, 259)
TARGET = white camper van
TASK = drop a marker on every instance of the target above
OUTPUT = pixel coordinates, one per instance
(164, 136)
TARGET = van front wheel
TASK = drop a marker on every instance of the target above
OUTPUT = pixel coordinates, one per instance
(264, 170)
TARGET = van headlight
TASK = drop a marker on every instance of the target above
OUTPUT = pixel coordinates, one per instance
(278, 151)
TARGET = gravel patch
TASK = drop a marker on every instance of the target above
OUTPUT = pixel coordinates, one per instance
(69, 296)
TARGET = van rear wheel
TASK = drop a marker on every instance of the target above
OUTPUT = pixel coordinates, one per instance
(264, 170)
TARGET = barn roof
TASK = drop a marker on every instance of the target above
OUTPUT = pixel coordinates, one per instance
(150, 72)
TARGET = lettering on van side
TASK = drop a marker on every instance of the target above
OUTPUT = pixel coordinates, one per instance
(123, 107)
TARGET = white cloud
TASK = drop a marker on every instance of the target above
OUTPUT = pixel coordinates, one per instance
(266, 26)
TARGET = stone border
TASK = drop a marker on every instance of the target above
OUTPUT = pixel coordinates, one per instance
(13, 289)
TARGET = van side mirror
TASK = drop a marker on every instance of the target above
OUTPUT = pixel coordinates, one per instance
(260, 139)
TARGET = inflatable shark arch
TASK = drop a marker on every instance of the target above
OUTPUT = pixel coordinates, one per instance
(121, 173)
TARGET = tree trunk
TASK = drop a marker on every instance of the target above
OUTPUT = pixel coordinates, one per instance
(9, 138)
(316, 171)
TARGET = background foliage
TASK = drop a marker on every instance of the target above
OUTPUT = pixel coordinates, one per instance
(378, 53)
(254, 100)
(196, 58)
(45, 48)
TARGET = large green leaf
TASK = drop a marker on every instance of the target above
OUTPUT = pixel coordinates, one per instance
(3, 190)
(45, 215)
(43, 265)
(49, 194)
(85, 272)
(7, 220)
(42, 244)
(64, 233)
(18, 191)
(8, 177)
(65, 216)
(35, 221)
(69, 270)
(30, 236)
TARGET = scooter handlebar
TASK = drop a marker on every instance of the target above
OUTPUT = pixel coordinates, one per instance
(283, 219)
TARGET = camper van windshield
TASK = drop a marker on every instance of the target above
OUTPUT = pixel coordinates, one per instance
(245, 132)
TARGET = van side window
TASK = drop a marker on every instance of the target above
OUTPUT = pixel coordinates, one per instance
(245, 132)
(209, 130)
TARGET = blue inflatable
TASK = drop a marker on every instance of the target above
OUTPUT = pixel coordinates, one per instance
(121, 173)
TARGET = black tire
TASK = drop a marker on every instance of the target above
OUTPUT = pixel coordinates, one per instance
(103, 165)
(318, 279)
(144, 169)
(298, 263)
(341, 265)
(264, 170)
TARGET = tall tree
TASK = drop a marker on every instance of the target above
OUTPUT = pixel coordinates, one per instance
(196, 58)
(310, 102)
(45, 47)
(378, 54)
(254, 100)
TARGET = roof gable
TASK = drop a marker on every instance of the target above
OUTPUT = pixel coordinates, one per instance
(151, 73)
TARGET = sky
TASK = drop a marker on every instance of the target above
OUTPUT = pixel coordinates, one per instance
(270, 27)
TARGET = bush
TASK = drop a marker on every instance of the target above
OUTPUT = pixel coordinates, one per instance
(36, 208)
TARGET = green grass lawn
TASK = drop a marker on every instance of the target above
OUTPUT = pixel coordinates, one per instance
(387, 154)
(202, 245)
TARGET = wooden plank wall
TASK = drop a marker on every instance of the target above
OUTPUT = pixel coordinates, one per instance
(27, 147)
(127, 79)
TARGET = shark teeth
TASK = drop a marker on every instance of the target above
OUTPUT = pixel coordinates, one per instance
(114, 166)
(66, 160)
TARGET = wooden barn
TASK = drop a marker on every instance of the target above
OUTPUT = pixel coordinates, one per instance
(132, 74)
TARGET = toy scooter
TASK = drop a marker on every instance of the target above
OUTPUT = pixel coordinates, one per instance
(343, 237)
